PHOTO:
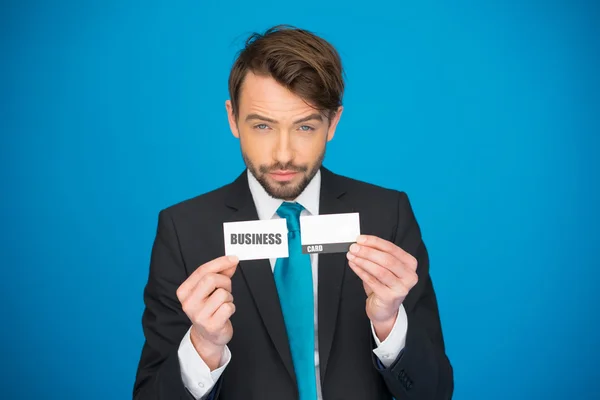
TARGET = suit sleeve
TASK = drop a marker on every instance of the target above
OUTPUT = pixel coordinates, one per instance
(422, 370)
(164, 323)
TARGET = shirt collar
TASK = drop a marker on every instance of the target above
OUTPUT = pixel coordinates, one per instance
(266, 206)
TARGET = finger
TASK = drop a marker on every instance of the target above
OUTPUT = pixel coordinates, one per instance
(210, 283)
(407, 276)
(379, 257)
(378, 288)
(207, 285)
(220, 264)
(230, 271)
(388, 247)
(223, 313)
(383, 275)
(215, 301)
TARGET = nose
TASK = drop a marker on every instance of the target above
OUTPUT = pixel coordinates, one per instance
(283, 151)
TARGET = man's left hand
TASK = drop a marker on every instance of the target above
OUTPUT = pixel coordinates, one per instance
(388, 274)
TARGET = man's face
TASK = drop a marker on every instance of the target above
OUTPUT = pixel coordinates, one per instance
(282, 138)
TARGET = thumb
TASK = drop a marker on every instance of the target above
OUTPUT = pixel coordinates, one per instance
(229, 271)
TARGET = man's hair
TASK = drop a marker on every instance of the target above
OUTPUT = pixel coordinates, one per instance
(297, 59)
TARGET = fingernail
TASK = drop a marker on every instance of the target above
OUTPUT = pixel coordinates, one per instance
(354, 248)
(361, 239)
(350, 256)
(233, 259)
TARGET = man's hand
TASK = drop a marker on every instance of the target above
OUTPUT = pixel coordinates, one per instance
(388, 274)
(206, 299)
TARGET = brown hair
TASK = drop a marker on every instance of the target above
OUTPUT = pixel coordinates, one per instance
(304, 63)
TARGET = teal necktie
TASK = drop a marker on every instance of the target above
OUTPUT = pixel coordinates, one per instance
(293, 278)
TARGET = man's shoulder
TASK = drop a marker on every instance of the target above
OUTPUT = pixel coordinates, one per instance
(210, 201)
(365, 189)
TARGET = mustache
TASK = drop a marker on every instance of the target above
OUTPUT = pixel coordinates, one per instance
(285, 167)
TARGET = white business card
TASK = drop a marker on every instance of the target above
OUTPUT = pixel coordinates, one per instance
(253, 240)
(329, 233)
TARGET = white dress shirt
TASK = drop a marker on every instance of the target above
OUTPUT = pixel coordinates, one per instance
(196, 375)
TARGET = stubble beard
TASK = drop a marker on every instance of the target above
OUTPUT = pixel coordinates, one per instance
(284, 190)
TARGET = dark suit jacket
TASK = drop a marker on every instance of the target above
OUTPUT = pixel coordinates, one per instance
(190, 234)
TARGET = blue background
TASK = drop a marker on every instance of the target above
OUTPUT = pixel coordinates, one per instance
(486, 113)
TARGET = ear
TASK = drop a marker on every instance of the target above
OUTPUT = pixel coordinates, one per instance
(333, 123)
(232, 120)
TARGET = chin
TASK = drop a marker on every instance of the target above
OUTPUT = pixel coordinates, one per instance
(284, 190)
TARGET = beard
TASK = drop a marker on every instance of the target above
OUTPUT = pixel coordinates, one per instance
(284, 190)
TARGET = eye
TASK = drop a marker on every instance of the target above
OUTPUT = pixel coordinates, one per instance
(261, 127)
(306, 128)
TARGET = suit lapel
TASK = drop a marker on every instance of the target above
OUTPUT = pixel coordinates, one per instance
(259, 275)
(331, 270)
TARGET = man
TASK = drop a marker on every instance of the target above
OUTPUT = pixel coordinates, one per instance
(360, 325)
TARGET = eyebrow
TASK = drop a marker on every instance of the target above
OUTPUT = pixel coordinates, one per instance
(250, 117)
(259, 117)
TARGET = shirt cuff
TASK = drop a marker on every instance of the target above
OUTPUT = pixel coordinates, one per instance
(388, 350)
(195, 374)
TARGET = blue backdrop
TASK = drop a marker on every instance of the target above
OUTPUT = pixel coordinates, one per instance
(486, 113)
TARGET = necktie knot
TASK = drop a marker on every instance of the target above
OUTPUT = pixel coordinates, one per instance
(291, 213)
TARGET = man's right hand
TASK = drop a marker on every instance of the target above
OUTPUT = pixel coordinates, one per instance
(206, 299)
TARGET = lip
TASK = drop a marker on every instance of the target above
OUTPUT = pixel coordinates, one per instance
(283, 176)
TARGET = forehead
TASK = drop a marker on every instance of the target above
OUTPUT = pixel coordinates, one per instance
(263, 94)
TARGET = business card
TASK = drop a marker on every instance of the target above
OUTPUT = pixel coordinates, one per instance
(253, 240)
(329, 233)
